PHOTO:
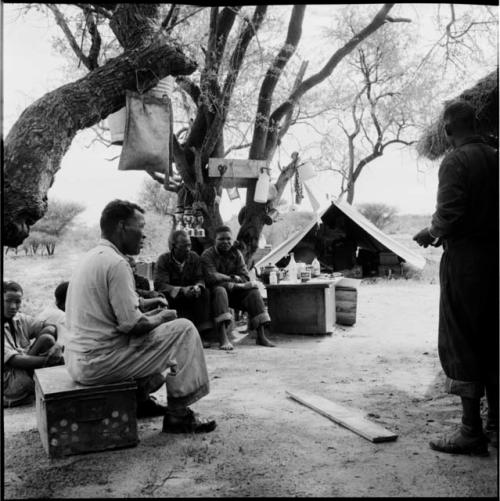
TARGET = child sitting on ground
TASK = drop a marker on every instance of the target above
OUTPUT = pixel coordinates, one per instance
(54, 314)
(21, 356)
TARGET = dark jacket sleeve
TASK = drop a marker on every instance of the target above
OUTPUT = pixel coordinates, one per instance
(242, 270)
(199, 278)
(212, 276)
(451, 198)
(162, 278)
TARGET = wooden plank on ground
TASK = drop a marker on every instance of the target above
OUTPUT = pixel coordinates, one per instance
(353, 419)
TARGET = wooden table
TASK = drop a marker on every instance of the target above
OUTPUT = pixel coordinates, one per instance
(302, 308)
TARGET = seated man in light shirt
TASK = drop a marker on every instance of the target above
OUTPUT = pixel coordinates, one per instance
(110, 340)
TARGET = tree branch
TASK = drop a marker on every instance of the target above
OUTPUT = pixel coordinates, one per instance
(190, 88)
(176, 22)
(168, 17)
(236, 60)
(379, 20)
(183, 167)
(172, 186)
(271, 79)
(92, 7)
(225, 22)
(95, 47)
(236, 147)
(285, 175)
(61, 22)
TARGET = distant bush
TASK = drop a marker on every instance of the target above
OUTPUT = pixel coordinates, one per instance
(59, 216)
(155, 199)
(47, 232)
(157, 231)
(408, 223)
(381, 215)
(286, 225)
(82, 237)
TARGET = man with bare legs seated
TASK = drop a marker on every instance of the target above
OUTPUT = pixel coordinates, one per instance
(227, 276)
(110, 340)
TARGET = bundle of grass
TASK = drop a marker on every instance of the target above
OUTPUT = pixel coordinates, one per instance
(484, 98)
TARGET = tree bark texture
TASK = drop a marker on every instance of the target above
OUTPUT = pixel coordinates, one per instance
(43, 133)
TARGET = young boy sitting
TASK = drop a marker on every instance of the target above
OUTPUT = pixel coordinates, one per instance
(54, 314)
(20, 355)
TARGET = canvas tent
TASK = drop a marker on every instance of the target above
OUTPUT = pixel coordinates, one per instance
(360, 235)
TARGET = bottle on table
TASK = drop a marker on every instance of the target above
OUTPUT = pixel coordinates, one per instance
(316, 268)
(292, 269)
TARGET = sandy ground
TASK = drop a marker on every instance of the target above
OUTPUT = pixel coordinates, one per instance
(269, 445)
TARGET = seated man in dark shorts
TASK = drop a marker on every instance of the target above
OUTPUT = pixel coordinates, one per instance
(179, 276)
(227, 276)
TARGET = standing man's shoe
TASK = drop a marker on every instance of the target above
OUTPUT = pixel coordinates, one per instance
(461, 443)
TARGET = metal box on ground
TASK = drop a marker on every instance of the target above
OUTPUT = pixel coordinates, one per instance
(302, 308)
(74, 419)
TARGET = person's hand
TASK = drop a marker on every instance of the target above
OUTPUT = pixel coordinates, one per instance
(168, 315)
(160, 302)
(187, 291)
(236, 279)
(250, 285)
(424, 238)
(53, 355)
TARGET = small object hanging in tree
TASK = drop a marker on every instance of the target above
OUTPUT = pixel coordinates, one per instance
(299, 193)
(198, 230)
(262, 186)
(178, 218)
(188, 221)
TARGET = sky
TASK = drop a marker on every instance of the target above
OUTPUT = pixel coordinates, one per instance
(88, 176)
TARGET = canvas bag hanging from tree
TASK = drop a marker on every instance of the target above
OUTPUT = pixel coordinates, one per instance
(147, 142)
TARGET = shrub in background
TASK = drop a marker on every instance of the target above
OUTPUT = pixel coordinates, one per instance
(59, 216)
(82, 237)
(381, 215)
(155, 199)
(286, 225)
(47, 232)
(157, 231)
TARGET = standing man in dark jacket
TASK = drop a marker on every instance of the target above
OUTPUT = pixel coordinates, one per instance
(227, 276)
(466, 223)
(179, 276)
